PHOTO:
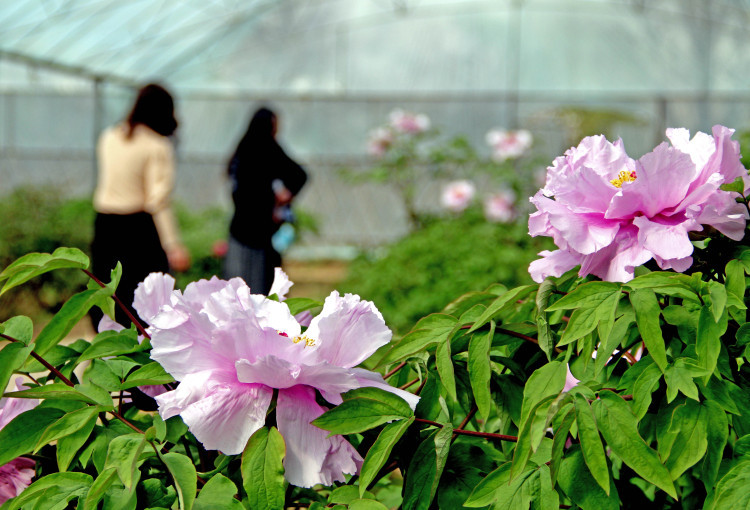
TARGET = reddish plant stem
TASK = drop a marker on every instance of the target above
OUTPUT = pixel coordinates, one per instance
(124, 308)
(410, 383)
(424, 381)
(395, 369)
(41, 360)
(466, 420)
(487, 435)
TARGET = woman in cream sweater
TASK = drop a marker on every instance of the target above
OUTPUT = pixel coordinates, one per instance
(134, 221)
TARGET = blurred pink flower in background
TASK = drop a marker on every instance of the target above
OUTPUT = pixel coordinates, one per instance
(498, 207)
(609, 213)
(219, 248)
(508, 144)
(379, 141)
(16, 475)
(408, 122)
(457, 195)
(230, 349)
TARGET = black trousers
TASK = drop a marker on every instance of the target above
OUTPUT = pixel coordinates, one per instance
(132, 240)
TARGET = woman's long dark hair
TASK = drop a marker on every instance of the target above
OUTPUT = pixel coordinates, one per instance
(259, 139)
(154, 107)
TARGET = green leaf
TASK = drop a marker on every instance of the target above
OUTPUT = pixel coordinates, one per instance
(444, 365)
(647, 317)
(644, 386)
(123, 453)
(480, 371)
(735, 279)
(610, 343)
(589, 294)
(68, 446)
(363, 409)
(218, 494)
(485, 493)
(718, 294)
(544, 332)
(530, 434)
(301, 304)
(558, 442)
(731, 491)
(366, 504)
(153, 373)
(545, 381)
(717, 433)
(679, 377)
(67, 425)
(185, 478)
(262, 469)
(591, 443)
(110, 343)
(708, 340)
(50, 490)
(671, 284)
(157, 495)
(95, 494)
(619, 427)
(35, 264)
(578, 484)
(20, 328)
(21, 435)
(380, 451)
(425, 469)
(428, 331)
(737, 186)
(69, 315)
(12, 357)
(502, 303)
(690, 422)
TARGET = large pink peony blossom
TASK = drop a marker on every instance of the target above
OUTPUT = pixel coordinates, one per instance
(231, 349)
(609, 213)
(16, 475)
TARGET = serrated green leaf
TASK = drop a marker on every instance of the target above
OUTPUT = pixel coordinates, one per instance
(425, 469)
(619, 427)
(185, 478)
(363, 409)
(647, 314)
(380, 450)
(34, 264)
(591, 443)
(480, 371)
(262, 469)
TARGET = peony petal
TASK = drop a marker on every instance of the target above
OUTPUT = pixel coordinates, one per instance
(617, 262)
(280, 285)
(368, 378)
(553, 263)
(15, 476)
(664, 238)
(348, 330)
(220, 412)
(151, 294)
(11, 407)
(311, 457)
(280, 373)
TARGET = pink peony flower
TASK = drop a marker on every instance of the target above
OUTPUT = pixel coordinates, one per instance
(231, 349)
(498, 207)
(508, 144)
(407, 122)
(379, 141)
(609, 213)
(457, 195)
(16, 475)
(219, 248)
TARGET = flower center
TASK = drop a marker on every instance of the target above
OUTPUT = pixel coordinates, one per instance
(309, 342)
(623, 176)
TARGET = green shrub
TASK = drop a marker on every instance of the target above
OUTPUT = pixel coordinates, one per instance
(423, 272)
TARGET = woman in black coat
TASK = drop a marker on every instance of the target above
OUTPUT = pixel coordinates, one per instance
(264, 180)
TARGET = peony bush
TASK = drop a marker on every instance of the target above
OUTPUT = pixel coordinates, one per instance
(619, 380)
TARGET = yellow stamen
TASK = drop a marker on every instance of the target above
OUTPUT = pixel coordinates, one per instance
(309, 342)
(623, 176)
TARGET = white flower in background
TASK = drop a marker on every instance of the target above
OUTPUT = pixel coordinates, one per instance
(508, 144)
(379, 141)
(408, 122)
(457, 195)
(498, 207)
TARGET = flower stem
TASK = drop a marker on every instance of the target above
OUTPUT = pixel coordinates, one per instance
(124, 308)
(487, 435)
(395, 369)
(44, 362)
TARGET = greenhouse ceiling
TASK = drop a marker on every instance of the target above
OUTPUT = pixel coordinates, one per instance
(337, 46)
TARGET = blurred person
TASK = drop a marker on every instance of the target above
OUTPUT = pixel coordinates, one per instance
(134, 222)
(264, 182)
